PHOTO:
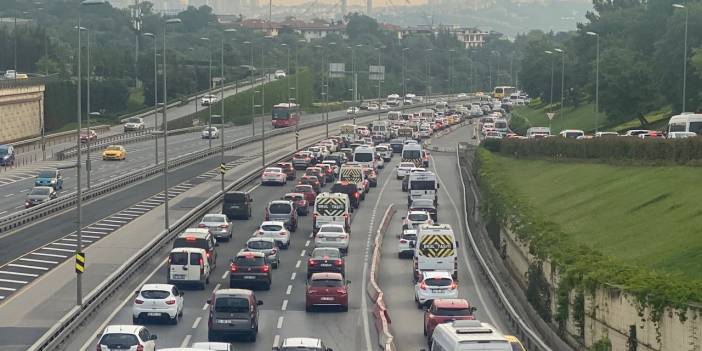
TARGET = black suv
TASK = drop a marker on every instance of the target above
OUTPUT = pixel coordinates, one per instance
(237, 204)
(348, 188)
(250, 268)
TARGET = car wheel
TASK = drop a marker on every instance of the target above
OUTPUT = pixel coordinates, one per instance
(211, 336)
(252, 336)
(268, 286)
(174, 320)
(135, 320)
(308, 308)
(425, 329)
(345, 308)
(276, 264)
(419, 305)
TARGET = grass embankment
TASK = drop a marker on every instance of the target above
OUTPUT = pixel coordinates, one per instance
(643, 216)
(582, 117)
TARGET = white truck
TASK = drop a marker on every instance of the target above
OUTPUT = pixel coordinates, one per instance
(422, 185)
(435, 250)
(393, 100)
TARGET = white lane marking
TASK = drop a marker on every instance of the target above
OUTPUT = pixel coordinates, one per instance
(13, 281)
(86, 236)
(90, 342)
(123, 217)
(293, 275)
(197, 322)
(62, 244)
(92, 232)
(37, 261)
(280, 322)
(216, 287)
(1, 212)
(101, 224)
(473, 277)
(8, 289)
(297, 265)
(276, 341)
(114, 221)
(48, 255)
(285, 305)
(57, 249)
(26, 266)
(8, 195)
(205, 306)
(302, 254)
(20, 274)
(288, 290)
(224, 276)
(186, 341)
(18, 207)
(307, 243)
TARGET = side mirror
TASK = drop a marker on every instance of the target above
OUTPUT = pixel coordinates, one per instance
(348, 282)
(412, 244)
(154, 337)
(457, 244)
(259, 303)
(181, 294)
(209, 301)
(136, 292)
(438, 185)
(473, 309)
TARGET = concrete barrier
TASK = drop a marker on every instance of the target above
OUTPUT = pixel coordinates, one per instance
(380, 312)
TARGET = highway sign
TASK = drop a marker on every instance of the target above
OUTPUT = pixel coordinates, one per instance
(550, 115)
(80, 262)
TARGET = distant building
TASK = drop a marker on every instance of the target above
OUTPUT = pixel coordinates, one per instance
(470, 37)
(312, 30)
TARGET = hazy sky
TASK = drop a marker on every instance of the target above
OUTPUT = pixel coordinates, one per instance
(355, 2)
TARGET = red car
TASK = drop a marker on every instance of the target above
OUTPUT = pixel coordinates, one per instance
(308, 191)
(88, 136)
(327, 170)
(327, 289)
(288, 169)
(313, 181)
(302, 160)
(299, 201)
(317, 172)
(444, 311)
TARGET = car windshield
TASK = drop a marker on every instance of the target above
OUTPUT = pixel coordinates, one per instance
(273, 170)
(271, 228)
(363, 157)
(3, 151)
(437, 281)
(409, 237)
(179, 258)
(411, 154)
(234, 197)
(214, 219)
(294, 197)
(344, 189)
(329, 253)
(231, 305)
(303, 189)
(326, 283)
(279, 208)
(417, 217)
(40, 191)
(46, 174)
(133, 120)
(155, 294)
(119, 340)
(249, 261)
(422, 185)
(260, 245)
(331, 229)
(113, 148)
(453, 312)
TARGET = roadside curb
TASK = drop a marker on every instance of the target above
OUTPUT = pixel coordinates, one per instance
(380, 312)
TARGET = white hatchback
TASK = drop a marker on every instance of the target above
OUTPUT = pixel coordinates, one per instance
(403, 169)
(332, 235)
(157, 301)
(275, 230)
(126, 338)
(434, 285)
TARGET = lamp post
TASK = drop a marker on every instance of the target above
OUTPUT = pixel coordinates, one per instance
(597, 78)
(380, 53)
(428, 71)
(165, 121)
(153, 39)
(562, 78)
(355, 75)
(287, 71)
(263, 102)
(550, 102)
(253, 98)
(450, 72)
(297, 90)
(404, 77)
(684, 79)
(209, 92)
(221, 104)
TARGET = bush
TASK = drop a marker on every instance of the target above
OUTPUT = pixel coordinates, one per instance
(674, 151)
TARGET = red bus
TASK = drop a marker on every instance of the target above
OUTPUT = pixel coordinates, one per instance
(285, 115)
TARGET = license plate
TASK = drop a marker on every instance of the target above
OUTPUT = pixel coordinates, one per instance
(225, 321)
(327, 299)
(331, 239)
(325, 264)
(249, 277)
(179, 276)
(437, 290)
(153, 314)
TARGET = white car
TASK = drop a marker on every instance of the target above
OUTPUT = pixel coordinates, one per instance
(134, 124)
(414, 218)
(213, 346)
(352, 110)
(379, 161)
(126, 338)
(384, 107)
(157, 301)
(434, 285)
(493, 134)
(373, 107)
(424, 133)
(210, 133)
(275, 230)
(403, 169)
(332, 235)
(406, 244)
(207, 100)
(329, 144)
(279, 74)
(384, 151)
(274, 175)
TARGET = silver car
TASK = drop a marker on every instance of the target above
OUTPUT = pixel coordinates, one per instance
(266, 246)
(218, 225)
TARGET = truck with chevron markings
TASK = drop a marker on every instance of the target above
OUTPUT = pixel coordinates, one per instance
(435, 250)
(331, 208)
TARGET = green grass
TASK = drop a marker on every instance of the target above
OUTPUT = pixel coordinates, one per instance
(656, 120)
(581, 117)
(646, 216)
(135, 102)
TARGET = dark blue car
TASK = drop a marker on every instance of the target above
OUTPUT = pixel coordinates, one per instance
(396, 145)
(49, 178)
(7, 155)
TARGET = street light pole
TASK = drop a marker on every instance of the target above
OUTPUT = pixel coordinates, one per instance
(550, 102)
(88, 165)
(165, 121)
(404, 77)
(380, 53)
(684, 79)
(209, 92)
(153, 38)
(253, 97)
(451, 51)
(562, 79)
(597, 79)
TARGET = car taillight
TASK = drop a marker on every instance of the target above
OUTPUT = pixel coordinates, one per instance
(99, 348)
(423, 286)
(311, 262)
(224, 226)
(201, 225)
(346, 215)
(344, 236)
(338, 262)
(208, 256)
(273, 251)
(201, 262)
(403, 241)
(232, 267)
(341, 291)
(283, 233)
(356, 194)
(265, 268)
(453, 286)
(138, 302)
(170, 302)
(140, 347)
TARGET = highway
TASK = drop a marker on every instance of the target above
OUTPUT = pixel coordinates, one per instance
(283, 313)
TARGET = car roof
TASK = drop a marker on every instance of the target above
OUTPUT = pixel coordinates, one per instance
(294, 194)
(436, 274)
(327, 275)
(307, 186)
(331, 225)
(157, 287)
(250, 253)
(279, 202)
(229, 292)
(281, 223)
(122, 328)
(212, 345)
(200, 233)
(188, 249)
(417, 212)
(304, 342)
(260, 238)
(449, 303)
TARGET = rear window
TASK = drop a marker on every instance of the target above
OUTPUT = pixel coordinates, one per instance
(190, 242)
(195, 259)
(234, 197)
(418, 217)
(260, 245)
(179, 258)
(271, 227)
(279, 208)
(438, 281)
(321, 253)
(344, 189)
(155, 294)
(331, 229)
(119, 341)
(215, 219)
(303, 189)
(409, 237)
(327, 283)
(453, 312)
(231, 305)
(249, 261)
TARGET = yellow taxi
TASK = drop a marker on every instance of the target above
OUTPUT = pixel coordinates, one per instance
(453, 119)
(114, 152)
(515, 343)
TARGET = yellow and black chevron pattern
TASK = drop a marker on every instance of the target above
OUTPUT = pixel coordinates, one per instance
(331, 206)
(354, 175)
(417, 161)
(436, 246)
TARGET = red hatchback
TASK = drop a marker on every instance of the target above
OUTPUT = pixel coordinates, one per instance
(288, 169)
(313, 181)
(317, 172)
(445, 311)
(306, 190)
(300, 203)
(327, 289)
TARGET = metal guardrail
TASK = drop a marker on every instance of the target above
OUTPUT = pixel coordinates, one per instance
(530, 338)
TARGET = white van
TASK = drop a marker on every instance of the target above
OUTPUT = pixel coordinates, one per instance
(188, 265)
(331, 208)
(538, 132)
(572, 133)
(435, 250)
(365, 156)
(412, 153)
(426, 114)
(468, 335)
(422, 185)
(501, 126)
(394, 116)
(686, 122)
